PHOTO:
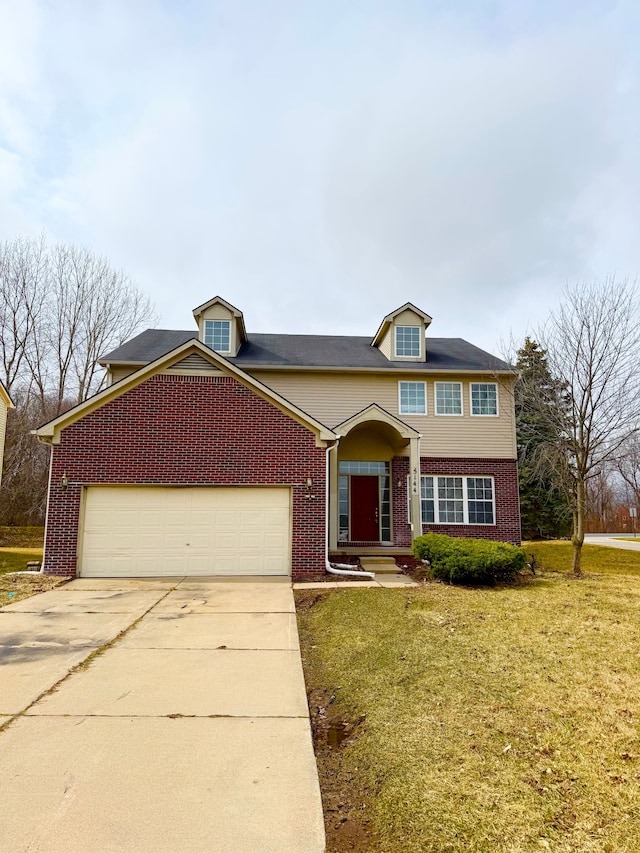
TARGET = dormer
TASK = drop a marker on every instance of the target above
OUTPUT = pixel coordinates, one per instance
(221, 326)
(401, 336)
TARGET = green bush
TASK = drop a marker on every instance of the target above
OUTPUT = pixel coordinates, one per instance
(473, 562)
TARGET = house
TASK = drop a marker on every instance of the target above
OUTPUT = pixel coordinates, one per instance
(221, 451)
(5, 404)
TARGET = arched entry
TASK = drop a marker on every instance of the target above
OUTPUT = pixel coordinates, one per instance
(361, 477)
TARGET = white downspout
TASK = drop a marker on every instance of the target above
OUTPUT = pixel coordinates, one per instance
(337, 568)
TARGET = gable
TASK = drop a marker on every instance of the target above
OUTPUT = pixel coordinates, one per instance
(50, 432)
(408, 317)
(194, 363)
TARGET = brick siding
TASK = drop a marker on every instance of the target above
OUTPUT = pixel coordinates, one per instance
(188, 430)
(505, 474)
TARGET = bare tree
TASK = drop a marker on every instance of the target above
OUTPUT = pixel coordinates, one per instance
(61, 307)
(24, 289)
(593, 346)
(628, 466)
(26, 463)
(605, 493)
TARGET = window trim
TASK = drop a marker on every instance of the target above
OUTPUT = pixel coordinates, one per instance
(396, 354)
(480, 414)
(218, 320)
(465, 501)
(412, 382)
(459, 414)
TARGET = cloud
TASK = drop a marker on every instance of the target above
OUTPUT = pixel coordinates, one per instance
(318, 164)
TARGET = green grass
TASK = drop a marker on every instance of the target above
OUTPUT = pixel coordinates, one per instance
(21, 537)
(556, 556)
(16, 559)
(495, 720)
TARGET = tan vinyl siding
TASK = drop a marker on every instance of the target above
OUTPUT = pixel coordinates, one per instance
(194, 363)
(362, 445)
(332, 399)
(115, 374)
(385, 344)
(408, 318)
(3, 429)
(217, 312)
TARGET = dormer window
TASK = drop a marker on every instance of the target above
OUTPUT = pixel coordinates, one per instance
(401, 336)
(217, 335)
(408, 341)
(220, 326)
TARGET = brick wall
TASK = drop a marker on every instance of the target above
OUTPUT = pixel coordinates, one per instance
(505, 474)
(188, 430)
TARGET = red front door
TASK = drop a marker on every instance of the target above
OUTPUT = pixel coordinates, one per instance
(364, 509)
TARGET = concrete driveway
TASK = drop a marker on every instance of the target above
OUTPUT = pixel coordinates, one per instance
(156, 715)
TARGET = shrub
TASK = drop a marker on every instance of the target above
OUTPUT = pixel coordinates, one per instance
(469, 561)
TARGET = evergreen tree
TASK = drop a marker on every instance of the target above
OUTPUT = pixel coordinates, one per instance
(544, 509)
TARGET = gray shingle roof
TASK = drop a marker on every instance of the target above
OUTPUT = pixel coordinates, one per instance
(313, 351)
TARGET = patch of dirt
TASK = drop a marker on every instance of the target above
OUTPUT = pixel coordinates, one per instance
(329, 578)
(16, 587)
(306, 599)
(416, 571)
(345, 800)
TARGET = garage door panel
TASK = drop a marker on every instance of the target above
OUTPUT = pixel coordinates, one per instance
(147, 541)
(271, 565)
(226, 518)
(177, 519)
(146, 531)
(273, 540)
(200, 541)
(201, 517)
(224, 540)
(97, 541)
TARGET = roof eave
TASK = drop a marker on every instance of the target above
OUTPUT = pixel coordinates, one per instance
(50, 432)
(392, 367)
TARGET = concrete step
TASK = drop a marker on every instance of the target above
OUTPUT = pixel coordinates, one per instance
(378, 560)
(379, 565)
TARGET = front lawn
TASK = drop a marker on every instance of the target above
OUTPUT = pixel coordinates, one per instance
(481, 719)
(555, 556)
(21, 537)
(22, 545)
(16, 559)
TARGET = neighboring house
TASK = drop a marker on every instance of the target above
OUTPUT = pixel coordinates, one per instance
(5, 404)
(219, 451)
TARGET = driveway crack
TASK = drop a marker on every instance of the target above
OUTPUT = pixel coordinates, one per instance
(84, 664)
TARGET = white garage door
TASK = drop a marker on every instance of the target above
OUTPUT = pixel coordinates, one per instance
(146, 531)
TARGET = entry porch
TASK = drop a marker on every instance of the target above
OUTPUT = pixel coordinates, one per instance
(374, 486)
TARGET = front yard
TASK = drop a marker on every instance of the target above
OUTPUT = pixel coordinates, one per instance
(18, 547)
(481, 720)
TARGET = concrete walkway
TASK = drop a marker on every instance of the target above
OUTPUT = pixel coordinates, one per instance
(188, 732)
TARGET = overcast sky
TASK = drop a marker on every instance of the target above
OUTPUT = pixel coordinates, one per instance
(319, 164)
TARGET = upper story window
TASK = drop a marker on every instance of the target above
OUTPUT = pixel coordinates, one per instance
(448, 398)
(413, 398)
(484, 398)
(408, 341)
(217, 335)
